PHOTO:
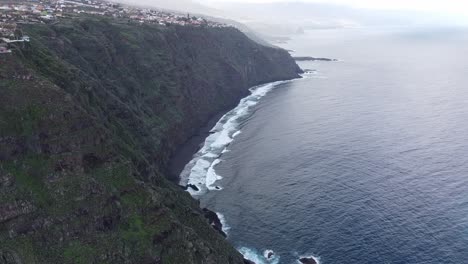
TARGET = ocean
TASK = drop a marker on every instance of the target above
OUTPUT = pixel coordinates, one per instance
(364, 160)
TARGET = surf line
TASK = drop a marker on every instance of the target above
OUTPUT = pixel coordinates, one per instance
(199, 175)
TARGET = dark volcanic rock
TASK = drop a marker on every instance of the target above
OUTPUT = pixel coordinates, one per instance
(14, 210)
(9, 257)
(214, 221)
(308, 261)
(192, 186)
(246, 261)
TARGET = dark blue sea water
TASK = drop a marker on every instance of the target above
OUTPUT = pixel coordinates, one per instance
(365, 161)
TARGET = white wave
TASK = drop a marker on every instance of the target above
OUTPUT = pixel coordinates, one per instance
(200, 170)
(257, 257)
(236, 134)
(224, 150)
(226, 227)
(268, 254)
(211, 176)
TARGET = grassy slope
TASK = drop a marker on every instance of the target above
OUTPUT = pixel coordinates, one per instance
(90, 112)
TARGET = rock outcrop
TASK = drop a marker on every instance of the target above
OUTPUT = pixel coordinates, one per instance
(307, 261)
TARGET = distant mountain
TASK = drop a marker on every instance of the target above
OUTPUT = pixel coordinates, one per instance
(285, 18)
(310, 14)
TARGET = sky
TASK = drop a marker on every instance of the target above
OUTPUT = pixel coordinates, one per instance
(456, 7)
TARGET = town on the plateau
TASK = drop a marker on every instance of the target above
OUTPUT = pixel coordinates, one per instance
(13, 13)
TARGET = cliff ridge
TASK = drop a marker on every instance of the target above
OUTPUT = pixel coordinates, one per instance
(91, 111)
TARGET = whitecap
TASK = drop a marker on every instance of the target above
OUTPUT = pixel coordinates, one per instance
(236, 134)
(211, 176)
(225, 227)
(225, 150)
(257, 257)
(269, 254)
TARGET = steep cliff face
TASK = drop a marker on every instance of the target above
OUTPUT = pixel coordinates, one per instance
(90, 112)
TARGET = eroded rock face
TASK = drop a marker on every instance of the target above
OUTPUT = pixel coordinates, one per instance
(10, 211)
(6, 180)
(9, 257)
(214, 221)
(84, 142)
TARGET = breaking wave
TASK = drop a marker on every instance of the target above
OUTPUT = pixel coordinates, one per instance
(200, 171)
(224, 224)
(258, 257)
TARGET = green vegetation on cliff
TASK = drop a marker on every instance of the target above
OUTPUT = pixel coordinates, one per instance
(90, 113)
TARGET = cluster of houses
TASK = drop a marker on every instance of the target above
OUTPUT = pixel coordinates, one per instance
(14, 12)
(17, 12)
(7, 36)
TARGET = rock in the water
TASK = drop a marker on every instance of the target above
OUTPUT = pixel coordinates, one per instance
(308, 261)
(308, 71)
(193, 186)
(269, 254)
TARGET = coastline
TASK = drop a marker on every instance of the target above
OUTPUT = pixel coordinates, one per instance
(107, 138)
(198, 143)
(185, 152)
(198, 175)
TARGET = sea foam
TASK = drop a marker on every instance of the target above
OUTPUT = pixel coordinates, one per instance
(317, 259)
(225, 227)
(257, 257)
(200, 171)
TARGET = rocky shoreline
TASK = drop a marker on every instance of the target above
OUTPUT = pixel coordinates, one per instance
(86, 142)
(214, 221)
(184, 153)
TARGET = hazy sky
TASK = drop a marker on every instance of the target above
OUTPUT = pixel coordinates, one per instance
(439, 6)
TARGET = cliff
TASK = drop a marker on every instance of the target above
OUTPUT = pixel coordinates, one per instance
(91, 111)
